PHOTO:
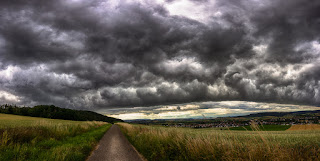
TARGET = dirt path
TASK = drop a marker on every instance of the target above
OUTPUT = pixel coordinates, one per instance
(114, 146)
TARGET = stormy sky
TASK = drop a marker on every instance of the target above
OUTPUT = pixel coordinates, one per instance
(109, 54)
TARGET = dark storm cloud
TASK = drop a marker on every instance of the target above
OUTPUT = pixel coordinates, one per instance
(293, 23)
(101, 54)
(286, 24)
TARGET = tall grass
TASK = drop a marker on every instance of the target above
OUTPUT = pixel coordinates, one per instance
(48, 139)
(167, 143)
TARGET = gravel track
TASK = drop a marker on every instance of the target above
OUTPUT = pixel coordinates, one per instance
(114, 146)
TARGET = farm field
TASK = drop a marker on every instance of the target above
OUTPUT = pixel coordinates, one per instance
(304, 127)
(32, 138)
(169, 143)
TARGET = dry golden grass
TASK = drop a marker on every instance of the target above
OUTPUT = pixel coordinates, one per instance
(304, 127)
(168, 143)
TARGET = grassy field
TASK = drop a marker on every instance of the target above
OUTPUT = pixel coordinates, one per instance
(31, 138)
(168, 143)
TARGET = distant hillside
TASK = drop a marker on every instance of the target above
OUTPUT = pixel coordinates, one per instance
(53, 112)
(281, 114)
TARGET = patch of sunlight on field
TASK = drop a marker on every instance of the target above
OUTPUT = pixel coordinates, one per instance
(304, 127)
(169, 143)
(13, 121)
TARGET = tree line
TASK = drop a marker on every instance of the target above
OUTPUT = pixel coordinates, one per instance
(53, 112)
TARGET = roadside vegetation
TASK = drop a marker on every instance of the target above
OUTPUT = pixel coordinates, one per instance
(169, 143)
(31, 138)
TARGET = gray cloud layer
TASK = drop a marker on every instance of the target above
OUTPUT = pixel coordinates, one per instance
(101, 54)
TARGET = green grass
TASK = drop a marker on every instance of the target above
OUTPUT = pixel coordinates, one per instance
(168, 143)
(263, 128)
(31, 138)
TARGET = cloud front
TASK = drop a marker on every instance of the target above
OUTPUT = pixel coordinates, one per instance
(105, 54)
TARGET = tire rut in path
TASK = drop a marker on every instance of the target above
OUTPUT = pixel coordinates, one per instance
(114, 146)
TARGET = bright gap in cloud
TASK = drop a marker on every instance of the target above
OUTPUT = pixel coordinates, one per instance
(191, 9)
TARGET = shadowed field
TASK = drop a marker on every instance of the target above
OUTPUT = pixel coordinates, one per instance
(31, 138)
(263, 128)
(168, 143)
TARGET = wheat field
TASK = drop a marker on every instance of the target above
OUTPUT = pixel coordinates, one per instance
(168, 143)
(304, 127)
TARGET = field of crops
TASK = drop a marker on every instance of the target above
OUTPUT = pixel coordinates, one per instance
(304, 127)
(168, 143)
(31, 138)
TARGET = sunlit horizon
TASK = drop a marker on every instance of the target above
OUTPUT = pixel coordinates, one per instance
(202, 110)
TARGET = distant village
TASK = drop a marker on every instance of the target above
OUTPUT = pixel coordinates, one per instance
(232, 123)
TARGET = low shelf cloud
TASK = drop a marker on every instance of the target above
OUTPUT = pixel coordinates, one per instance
(102, 54)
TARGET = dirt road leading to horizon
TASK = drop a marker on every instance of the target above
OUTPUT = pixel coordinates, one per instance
(114, 146)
